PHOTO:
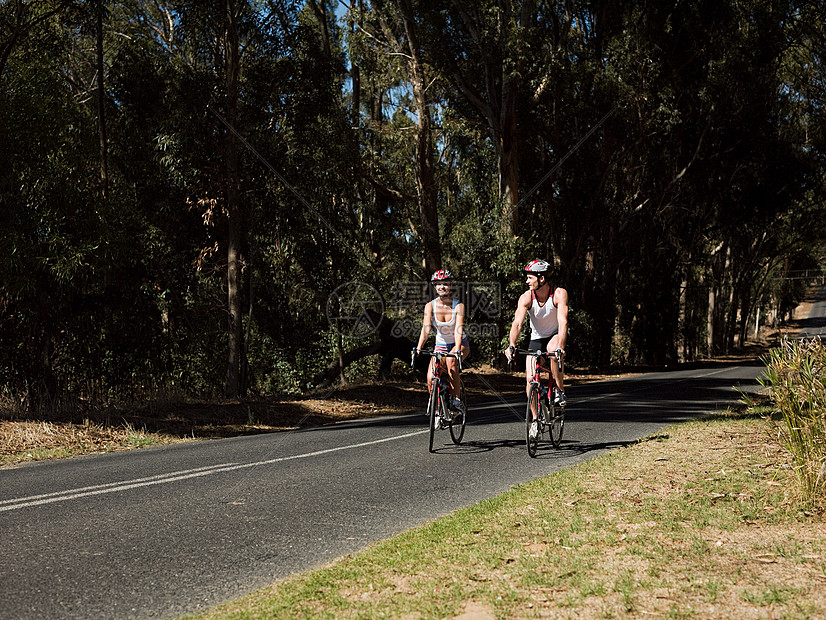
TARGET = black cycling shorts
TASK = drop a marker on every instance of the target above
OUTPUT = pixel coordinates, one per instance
(541, 344)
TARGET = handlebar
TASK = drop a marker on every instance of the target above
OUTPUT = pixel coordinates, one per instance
(541, 354)
(437, 354)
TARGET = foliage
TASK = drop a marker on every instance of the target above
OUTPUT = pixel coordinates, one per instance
(795, 374)
(667, 159)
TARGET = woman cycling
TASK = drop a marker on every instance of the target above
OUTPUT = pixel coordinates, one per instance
(447, 315)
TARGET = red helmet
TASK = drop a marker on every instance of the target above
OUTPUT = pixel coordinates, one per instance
(537, 267)
(442, 274)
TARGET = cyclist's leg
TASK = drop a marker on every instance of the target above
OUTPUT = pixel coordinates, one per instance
(557, 374)
(453, 368)
(530, 364)
(453, 373)
(532, 429)
(530, 368)
(430, 383)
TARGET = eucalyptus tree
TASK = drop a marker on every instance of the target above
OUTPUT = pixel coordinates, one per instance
(495, 55)
(696, 157)
(701, 164)
(762, 170)
(19, 17)
(387, 39)
(59, 231)
(223, 38)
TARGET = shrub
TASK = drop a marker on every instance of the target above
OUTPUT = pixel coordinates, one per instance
(795, 376)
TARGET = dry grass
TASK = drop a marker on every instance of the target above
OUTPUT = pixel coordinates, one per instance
(31, 441)
(59, 434)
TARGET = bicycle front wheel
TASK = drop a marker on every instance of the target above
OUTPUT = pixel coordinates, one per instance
(457, 424)
(433, 409)
(532, 409)
(557, 425)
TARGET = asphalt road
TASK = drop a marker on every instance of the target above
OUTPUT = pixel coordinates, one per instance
(815, 324)
(161, 532)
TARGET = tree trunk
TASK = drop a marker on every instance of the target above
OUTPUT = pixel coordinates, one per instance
(233, 385)
(508, 153)
(104, 167)
(719, 300)
(355, 74)
(320, 9)
(425, 166)
(389, 347)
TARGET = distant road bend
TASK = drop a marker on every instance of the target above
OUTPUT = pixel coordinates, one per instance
(814, 326)
(161, 532)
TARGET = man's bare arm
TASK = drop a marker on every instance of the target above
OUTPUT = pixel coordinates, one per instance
(561, 303)
(519, 318)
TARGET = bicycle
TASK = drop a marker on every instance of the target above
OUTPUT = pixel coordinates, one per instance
(440, 400)
(549, 415)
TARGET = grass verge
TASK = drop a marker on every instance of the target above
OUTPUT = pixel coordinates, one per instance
(701, 521)
(28, 440)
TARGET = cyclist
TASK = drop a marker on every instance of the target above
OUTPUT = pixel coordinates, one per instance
(547, 309)
(447, 315)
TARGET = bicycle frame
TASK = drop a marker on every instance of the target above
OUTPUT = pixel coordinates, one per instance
(437, 365)
(540, 409)
(439, 404)
(542, 356)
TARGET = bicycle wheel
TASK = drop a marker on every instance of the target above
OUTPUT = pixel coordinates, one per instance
(433, 409)
(457, 424)
(557, 424)
(533, 406)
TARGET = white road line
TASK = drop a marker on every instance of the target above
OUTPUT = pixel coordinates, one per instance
(96, 487)
(125, 485)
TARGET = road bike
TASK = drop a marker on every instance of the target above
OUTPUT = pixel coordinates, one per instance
(440, 409)
(549, 415)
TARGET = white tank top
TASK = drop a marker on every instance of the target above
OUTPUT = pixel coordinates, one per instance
(544, 322)
(445, 329)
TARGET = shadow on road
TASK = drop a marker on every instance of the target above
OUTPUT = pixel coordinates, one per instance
(477, 447)
(654, 398)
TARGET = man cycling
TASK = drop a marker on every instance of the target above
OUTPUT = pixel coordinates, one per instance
(547, 309)
(447, 315)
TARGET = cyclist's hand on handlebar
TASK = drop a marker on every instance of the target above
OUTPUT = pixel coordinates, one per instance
(509, 353)
(413, 353)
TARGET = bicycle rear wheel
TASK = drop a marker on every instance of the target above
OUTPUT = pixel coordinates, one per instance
(433, 409)
(557, 424)
(533, 407)
(457, 424)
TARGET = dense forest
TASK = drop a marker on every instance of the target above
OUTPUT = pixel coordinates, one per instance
(194, 194)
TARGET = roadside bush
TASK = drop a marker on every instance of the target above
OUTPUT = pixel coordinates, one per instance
(581, 338)
(795, 375)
